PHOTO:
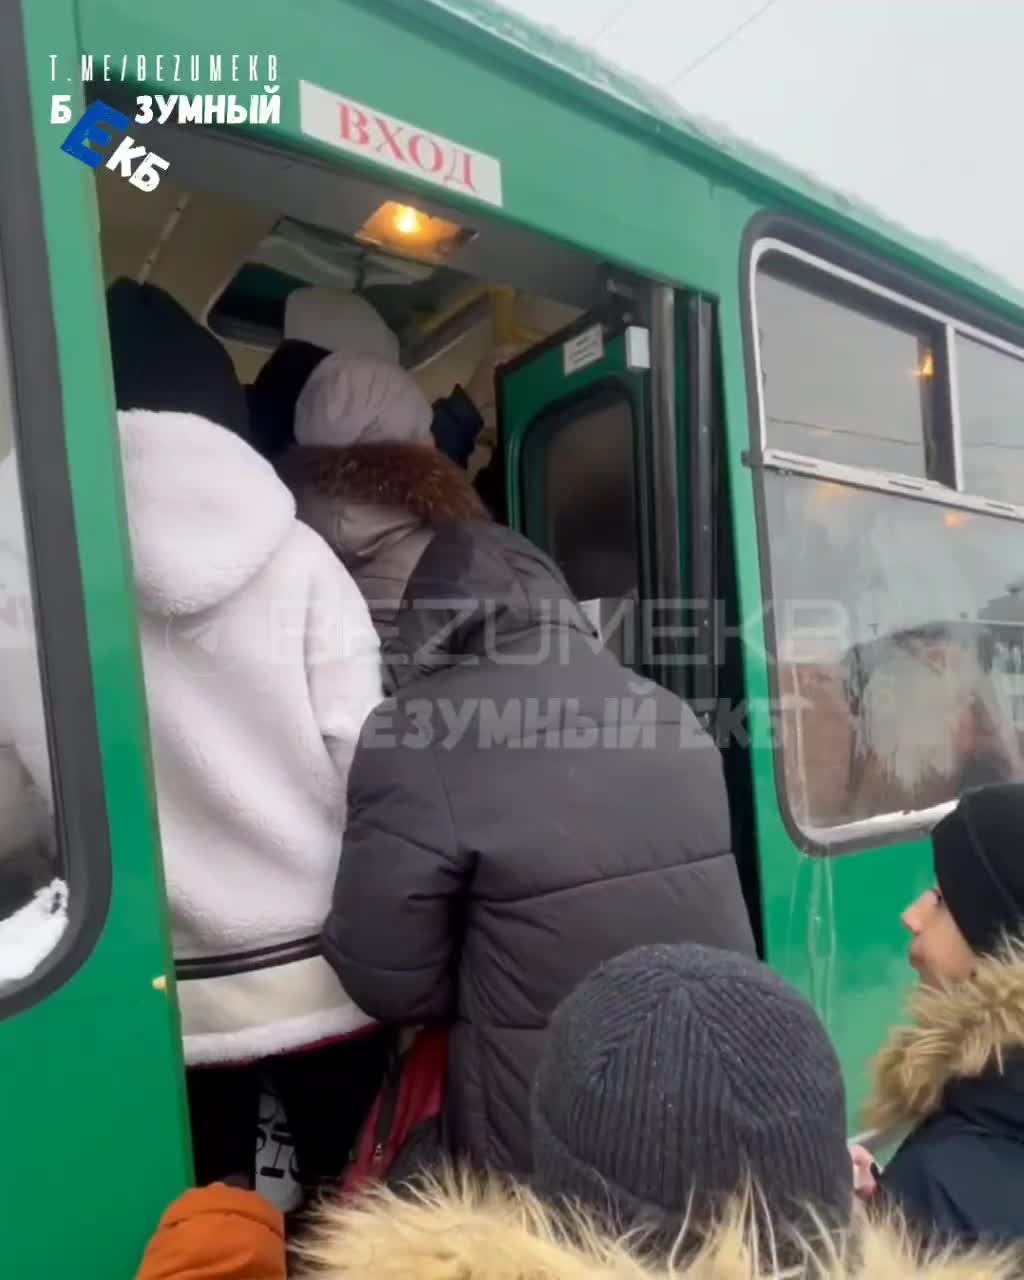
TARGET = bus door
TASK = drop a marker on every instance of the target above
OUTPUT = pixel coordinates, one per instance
(95, 1136)
(610, 433)
(606, 434)
(573, 427)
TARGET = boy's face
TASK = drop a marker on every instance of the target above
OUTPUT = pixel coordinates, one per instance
(938, 951)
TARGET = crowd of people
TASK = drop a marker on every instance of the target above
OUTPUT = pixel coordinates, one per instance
(336, 627)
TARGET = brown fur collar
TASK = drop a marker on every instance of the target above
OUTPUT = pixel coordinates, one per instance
(416, 478)
(957, 1032)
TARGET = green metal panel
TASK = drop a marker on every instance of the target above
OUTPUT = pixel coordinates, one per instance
(94, 1099)
(831, 924)
(470, 70)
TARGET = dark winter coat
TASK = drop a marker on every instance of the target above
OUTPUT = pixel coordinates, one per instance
(957, 1076)
(377, 506)
(511, 825)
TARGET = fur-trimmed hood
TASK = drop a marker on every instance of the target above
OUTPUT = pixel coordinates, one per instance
(378, 506)
(463, 1232)
(960, 1031)
(415, 479)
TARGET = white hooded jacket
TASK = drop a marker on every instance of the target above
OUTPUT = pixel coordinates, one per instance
(261, 664)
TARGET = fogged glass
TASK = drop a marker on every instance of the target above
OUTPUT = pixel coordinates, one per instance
(584, 454)
(991, 421)
(841, 384)
(900, 649)
(33, 894)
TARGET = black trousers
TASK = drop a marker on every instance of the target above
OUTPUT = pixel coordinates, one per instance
(326, 1094)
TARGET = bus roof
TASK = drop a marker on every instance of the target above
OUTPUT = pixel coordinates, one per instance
(600, 85)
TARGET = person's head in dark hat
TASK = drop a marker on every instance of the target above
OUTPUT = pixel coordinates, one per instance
(274, 394)
(165, 361)
(678, 1077)
(978, 900)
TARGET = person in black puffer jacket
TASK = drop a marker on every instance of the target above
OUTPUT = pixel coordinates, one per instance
(511, 826)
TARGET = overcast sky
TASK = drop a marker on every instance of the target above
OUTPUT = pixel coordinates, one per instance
(916, 106)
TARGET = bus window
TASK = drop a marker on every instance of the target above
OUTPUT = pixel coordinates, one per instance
(33, 906)
(582, 507)
(900, 645)
(898, 620)
(841, 383)
(991, 386)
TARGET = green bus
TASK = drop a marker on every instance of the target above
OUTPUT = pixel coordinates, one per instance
(773, 441)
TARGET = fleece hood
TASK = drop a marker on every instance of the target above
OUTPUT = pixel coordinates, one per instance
(205, 512)
(462, 1232)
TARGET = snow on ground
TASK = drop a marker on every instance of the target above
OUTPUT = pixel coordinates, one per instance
(30, 935)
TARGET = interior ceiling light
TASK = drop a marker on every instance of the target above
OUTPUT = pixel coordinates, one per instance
(400, 228)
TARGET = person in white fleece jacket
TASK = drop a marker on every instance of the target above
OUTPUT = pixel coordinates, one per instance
(261, 664)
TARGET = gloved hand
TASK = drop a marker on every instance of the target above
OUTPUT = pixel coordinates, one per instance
(456, 425)
(217, 1233)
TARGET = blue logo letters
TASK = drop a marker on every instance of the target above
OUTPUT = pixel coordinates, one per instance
(95, 127)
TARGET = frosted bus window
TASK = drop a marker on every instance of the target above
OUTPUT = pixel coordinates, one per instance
(991, 421)
(899, 631)
(33, 894)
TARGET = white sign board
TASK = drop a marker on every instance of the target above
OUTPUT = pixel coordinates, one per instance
(586, 348)
(395, 144)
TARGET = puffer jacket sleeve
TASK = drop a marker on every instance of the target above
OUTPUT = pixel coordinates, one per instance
(217, 1233)
(342, 657)
(392, 932)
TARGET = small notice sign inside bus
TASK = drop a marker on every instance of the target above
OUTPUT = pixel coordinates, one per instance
(366, 132)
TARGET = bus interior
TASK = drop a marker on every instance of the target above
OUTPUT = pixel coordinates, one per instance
(214, 237)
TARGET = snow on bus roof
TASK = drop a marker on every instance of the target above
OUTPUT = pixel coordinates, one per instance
(581, 64)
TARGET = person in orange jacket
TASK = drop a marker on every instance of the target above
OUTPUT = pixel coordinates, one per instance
(217, 1233)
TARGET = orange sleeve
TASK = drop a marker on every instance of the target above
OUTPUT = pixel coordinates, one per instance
(217, 1233)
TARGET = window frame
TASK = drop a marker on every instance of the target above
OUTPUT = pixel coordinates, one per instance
(947, 389)
(953, 332)
(791, 237)
(558, 414)
(79, 793)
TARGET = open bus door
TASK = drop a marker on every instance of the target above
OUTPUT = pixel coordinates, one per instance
(574, 427)
(606, 431)
(95, 1136)
(610, 435)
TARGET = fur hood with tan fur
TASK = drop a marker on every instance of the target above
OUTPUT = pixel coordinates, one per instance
(464, 1232)
(958, 1031)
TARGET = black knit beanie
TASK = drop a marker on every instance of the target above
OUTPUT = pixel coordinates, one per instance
(165, 361)
(676, 1074)
(979, 864)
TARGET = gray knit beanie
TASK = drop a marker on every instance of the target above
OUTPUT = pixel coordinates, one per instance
(675, 1073)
